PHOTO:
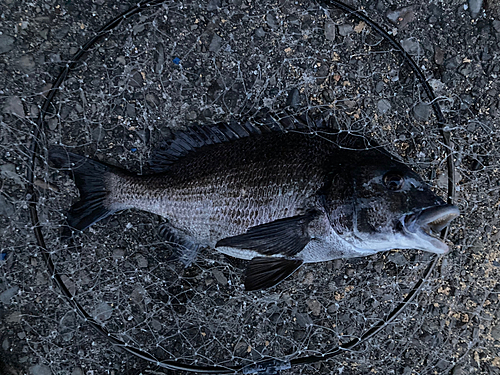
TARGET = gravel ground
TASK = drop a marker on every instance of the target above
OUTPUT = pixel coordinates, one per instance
(212, 61)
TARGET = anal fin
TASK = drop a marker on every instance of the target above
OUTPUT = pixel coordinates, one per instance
(265, 272)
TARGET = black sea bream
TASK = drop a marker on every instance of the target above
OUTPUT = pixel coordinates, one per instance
(276, 197)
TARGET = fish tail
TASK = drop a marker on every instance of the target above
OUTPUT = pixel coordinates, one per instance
(90, 177)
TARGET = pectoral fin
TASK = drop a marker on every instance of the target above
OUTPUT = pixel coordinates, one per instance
(265, 272)
(284, 236)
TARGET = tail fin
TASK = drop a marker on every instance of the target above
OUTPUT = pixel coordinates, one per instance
(90, 178)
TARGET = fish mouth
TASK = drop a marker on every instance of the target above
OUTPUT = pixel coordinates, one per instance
(425, 226)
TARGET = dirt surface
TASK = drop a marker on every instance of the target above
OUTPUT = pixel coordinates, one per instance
(208, 61)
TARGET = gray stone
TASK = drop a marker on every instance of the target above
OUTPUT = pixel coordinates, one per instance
(412, 46)
(383, 106)
(77, 371)
(215, 44)
(293, 98)
(26, 63)
(475, 7)
(397, 258)
(422, 111)
(67, 326)
(219, 276)
(330, 31)
(6, 295)
(40, 370)
(14, 106)
(6, 207)
(103, 311)
(401, 16)
(6, 44)
(345, 29)
(214, 5)
(271, 21)
(260, 33)
(8, 171)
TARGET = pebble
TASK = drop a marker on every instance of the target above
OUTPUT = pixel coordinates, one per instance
(293, 99)
(330, 31)
(40, 370)
(438, 55)
(67, 326)
(6, 44)
(6, 295)
(422, 111)
(412, 46)
(5, 344)
(214, 5)
(7, 209)
(271, 21)
(260, 33)
(14, 106)
(141, 260)
(314, 306)
(103, 311)
(475, 7)
(345, 29)
(77, 371)
(215, 44)
(26, 63)
(397, 258)
(219, 277)
(401, 16)
(383, 106)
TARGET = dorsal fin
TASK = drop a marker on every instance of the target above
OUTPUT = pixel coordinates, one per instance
(186, 141)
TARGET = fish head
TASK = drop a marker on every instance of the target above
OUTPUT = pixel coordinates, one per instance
(386, 206)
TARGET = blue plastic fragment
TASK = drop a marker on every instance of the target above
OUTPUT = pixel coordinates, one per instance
(3, 256)
(133, 149)
(176, 61)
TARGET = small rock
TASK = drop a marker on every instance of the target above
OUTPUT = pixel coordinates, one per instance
(271, 21)
(397, 258)
(77, 371)
(345, 29)
(5, 344)
(215, 44)
(401, 16)
(293, 99)
(219, 276)
(438, 55)
(422, 111)
(6, 43)
(315, 306)
(136, 79)
(103, 312)
(260, 33)
(67, 326)
(14, 106)
(40, 370)
(26, 63)
(7, 209)
(303, 320)
(383, 106)
(15, 317)
(330, 31)
(412, 46)
(6, 295)
(61, 33)
(141, 260)
(214, 5)
(118, 254)
(475, 7)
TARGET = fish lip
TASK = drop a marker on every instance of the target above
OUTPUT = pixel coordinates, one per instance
(426, 224)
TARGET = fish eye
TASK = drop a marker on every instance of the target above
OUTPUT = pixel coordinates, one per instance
(393, 181)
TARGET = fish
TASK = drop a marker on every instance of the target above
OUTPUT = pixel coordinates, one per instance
(278, 193)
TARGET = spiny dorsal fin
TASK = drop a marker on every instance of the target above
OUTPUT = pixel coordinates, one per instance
(186, 141)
